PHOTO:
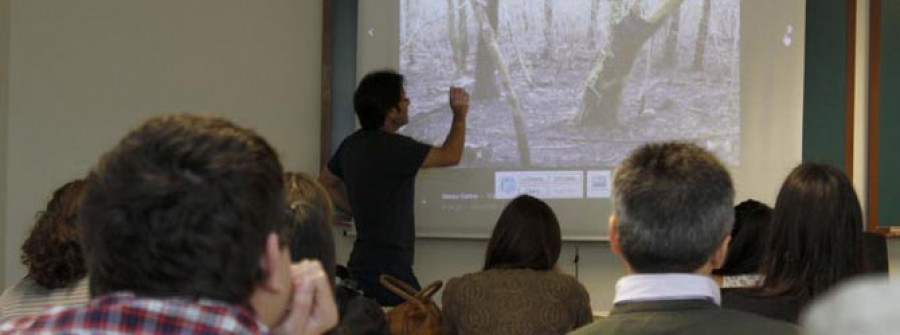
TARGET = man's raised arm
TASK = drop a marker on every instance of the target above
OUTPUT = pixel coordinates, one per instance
(335, 188)
(450, 153)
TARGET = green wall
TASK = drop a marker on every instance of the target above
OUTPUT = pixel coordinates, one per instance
(889, 127)
(824, 94)
(343, 67)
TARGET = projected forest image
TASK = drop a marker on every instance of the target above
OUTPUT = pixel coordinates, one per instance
(575, 83)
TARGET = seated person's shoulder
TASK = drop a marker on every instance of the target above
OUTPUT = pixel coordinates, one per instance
(715, 321)
(480, 283)
(568, 283)
(517, 282)
(55, 317)
(505, 276)
(738, 322)
(466, 280)
(785, 308)
(563, 277)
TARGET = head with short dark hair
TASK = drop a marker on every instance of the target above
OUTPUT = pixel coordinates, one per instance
(311, 208)
(751, 219)
(815, 234)
(673, 207)
(375, 95)
(526, 237)
(183, 207)
(52, 252)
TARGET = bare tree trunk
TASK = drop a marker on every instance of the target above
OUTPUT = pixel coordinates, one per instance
(520, 57)
(670, 54)
(736, 61)
(648, 70)
(615, 13)
(488, 37)
(549, 40)
(451, 32)
(526, 22)
(702, 35)
(592, 26)
(603, 90)
(463, 35)
(485, 80)
(409, 33)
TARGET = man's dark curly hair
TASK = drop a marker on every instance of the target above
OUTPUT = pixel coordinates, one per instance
(375, 95)
(182, 207)
(52, 252)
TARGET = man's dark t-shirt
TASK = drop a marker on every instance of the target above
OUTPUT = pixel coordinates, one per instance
(379, 171)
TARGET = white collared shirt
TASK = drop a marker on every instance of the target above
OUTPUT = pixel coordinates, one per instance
(667, 286)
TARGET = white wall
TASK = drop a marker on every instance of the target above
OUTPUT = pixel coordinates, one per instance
(4, 75)
(82, 73)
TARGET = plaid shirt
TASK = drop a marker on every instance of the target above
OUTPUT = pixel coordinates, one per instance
(127, 314)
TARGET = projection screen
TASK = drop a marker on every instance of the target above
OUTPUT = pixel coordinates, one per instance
(563, 90)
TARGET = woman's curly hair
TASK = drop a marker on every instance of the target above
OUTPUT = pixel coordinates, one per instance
(52, 253)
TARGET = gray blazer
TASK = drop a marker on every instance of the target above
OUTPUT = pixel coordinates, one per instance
(682, 317)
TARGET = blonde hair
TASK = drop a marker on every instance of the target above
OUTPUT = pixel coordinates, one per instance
(300, 188)
(311, 210)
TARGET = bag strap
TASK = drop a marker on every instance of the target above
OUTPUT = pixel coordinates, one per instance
(407, 292)
(430, 290)
(401, 289)
(398, 286)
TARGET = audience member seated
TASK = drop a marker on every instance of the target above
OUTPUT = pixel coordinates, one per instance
(520, 290)
(672, 216)
(185, 231)
(814, 242)
(866, 306)
(875, 253)
(312, 210)
(741, 267)
(54, 260)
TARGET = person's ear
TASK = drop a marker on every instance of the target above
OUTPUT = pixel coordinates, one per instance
(718, 258)
(270, 263)
(393, 111)
(614, 243)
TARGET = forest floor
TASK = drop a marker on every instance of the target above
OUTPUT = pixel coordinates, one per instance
(667, 103)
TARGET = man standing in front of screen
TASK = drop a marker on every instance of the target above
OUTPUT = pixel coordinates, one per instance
(372, 175)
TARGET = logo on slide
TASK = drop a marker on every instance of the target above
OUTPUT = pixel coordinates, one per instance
(508, 185)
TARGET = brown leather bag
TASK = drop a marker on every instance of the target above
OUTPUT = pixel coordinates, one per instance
(419, 315)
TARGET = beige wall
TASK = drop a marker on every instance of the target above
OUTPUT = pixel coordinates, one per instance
(82, 73)
(4, 75)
